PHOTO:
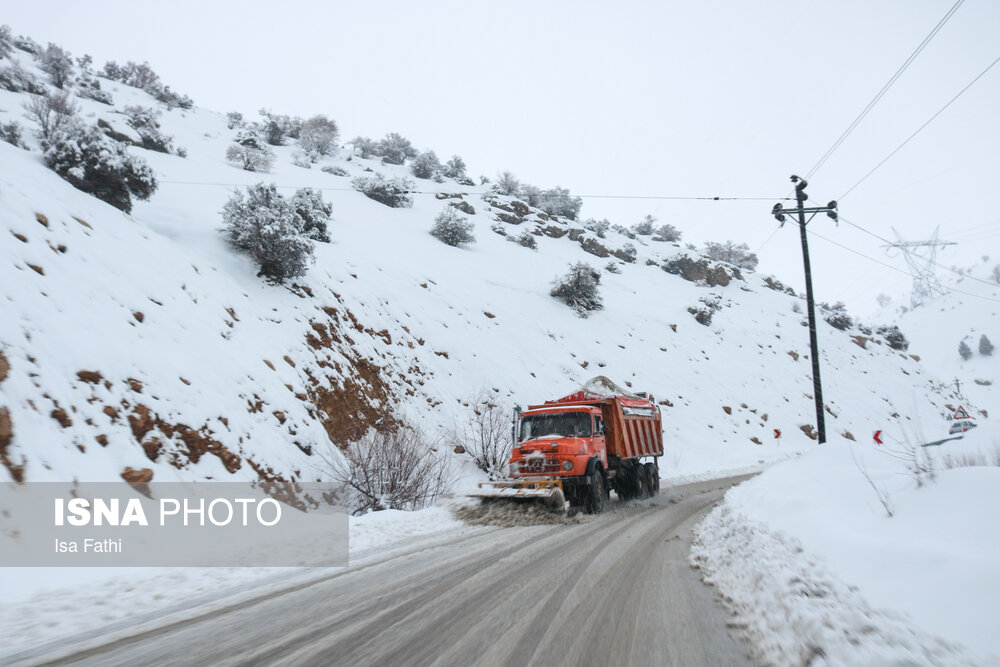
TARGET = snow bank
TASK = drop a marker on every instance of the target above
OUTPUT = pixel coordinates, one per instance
(809, 559)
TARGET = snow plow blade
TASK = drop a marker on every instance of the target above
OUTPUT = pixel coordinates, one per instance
(548, 492)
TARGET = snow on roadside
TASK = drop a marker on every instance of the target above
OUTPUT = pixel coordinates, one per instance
(816, 571)
(42, 605)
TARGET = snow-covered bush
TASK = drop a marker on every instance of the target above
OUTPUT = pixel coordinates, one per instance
(507, 184)
(836, 316)
(485, 434)
(452, 228)
(6, 41)
(578, 289)
(250, 152)
(364, 146)
(57, 64)
(318, 137)
(51, 112)
(894, 338)
(145, 121)
(266, 226)
(454, 168)
(964, 350)
(11, 133)
(667, 233)
(16, 79)
(599, 227)
(92, 162)
(527, 240)
(425, 165)
(555, 202)
(398, 470)
(275, 127)
(234, 119)
(335, 170)
(393, 192)
(612, 267)
(27, 45)
(645, 227)
(731, 253)
(985, 346)
(143, 77)
(395, 149)
(314, 214)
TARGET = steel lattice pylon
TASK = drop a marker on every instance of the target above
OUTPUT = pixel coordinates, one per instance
(925, 282)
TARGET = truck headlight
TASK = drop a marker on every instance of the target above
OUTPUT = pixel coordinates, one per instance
(567, 465)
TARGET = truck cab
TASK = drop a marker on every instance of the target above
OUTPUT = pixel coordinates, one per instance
(558, 441)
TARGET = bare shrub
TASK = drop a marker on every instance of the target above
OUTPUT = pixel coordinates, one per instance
(250, 158)
(51, 112)
(485, 433)
(398, 470)
(971, 460)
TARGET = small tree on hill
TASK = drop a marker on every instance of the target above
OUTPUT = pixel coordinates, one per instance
(57, 64)
(318, 137)
(578, 289)
(425, 165)
(395, 149)
(6, 41)
(250, 151)
(646, 226)
(507, 184)
(836, 316)
(51, 112)
(95, 164)
(985, 346)
(454, 168)
(263, 224)
(667, 233)
(964, 351)
(452, 228)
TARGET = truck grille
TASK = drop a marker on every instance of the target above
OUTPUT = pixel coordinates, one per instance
(538, 466)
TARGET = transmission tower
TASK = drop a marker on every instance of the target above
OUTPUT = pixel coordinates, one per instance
(921, 264)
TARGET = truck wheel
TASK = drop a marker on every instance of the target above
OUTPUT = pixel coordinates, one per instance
(653, 474)
(595, 494)
(642, 481)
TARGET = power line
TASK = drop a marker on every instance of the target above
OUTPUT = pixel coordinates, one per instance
(885, 88)
(434, 192)
(919, 129)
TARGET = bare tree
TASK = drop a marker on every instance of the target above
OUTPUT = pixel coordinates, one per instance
(51, 112)
(485, 434)
(393, 470)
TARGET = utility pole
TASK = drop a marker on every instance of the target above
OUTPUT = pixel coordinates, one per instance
(831, 210)
(958, 387)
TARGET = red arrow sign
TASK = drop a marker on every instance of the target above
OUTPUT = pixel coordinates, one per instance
(878, 440)
(777, 433)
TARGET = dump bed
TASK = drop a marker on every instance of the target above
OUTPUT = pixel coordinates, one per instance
(632, 425)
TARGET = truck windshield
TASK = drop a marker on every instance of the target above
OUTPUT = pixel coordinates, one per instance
(555, 425)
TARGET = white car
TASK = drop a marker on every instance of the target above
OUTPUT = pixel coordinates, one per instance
(962, 426)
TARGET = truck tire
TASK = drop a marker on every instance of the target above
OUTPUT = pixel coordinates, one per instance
(595, 493)
(642, 481)
(653, 474)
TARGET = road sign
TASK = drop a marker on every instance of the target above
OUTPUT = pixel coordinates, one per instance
(961, 414)
(777, 433)
(878, 440)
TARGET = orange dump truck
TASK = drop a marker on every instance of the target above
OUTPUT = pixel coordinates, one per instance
(580, 447)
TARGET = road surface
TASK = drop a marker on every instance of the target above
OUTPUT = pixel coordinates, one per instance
(615, 589)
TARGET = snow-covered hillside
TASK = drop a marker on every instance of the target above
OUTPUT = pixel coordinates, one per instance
(969, 310)
(145, 342)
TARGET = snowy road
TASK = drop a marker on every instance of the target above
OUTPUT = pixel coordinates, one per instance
(614, 589)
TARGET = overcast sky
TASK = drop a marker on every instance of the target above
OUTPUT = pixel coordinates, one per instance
(651, 99)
